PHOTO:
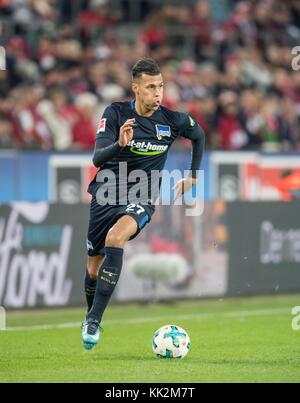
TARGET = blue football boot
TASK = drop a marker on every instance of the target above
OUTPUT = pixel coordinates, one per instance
(90, 333)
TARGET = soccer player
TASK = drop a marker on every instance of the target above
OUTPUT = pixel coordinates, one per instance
(138, 134)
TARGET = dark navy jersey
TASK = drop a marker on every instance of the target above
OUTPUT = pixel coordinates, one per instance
(152, 138)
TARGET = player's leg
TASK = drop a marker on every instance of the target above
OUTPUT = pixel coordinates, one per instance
(132, 219)
(90, 283)
(99, 224)
(111, 267)
(90, 280)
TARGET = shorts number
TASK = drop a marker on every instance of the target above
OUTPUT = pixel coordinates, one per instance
(135, 208)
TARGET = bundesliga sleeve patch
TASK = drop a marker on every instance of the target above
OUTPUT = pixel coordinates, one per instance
(102, 125)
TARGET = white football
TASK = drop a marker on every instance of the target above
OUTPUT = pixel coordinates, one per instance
(171, 341)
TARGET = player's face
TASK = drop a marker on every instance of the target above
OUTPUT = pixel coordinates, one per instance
(149, 91)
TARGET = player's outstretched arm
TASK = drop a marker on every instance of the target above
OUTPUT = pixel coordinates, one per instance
(196, 134)
(198, 143)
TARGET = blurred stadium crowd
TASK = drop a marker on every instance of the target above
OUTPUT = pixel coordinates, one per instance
(67, 60)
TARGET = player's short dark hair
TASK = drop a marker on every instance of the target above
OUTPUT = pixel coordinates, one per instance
(145, 66)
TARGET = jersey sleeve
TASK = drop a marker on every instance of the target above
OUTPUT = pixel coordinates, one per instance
(108, 126)
(189, 128)
(192, 131)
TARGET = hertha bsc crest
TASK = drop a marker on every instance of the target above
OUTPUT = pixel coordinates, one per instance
(162, 131)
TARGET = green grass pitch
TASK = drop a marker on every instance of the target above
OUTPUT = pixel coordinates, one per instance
(232, 340)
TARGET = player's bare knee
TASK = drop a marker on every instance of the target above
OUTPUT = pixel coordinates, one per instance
(93, 273)
(93, 270)
(114, 240)
(93, 266)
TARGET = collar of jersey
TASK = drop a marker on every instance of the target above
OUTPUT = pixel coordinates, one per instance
(132, 107)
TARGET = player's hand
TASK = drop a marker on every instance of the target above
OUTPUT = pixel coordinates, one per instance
(184, 185)
(126, 132)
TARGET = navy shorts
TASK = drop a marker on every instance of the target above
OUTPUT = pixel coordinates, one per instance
(102, 218)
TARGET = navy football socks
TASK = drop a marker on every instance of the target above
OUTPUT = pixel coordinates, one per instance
(90, 285)
(107, 280)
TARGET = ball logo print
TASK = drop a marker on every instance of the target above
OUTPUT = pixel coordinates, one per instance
(171, 341)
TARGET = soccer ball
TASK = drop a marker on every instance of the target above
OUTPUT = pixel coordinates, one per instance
(171, 341)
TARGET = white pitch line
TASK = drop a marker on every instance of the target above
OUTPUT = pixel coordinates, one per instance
(71, 325)
(257, 312)
(67, 325)
(200, 316)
